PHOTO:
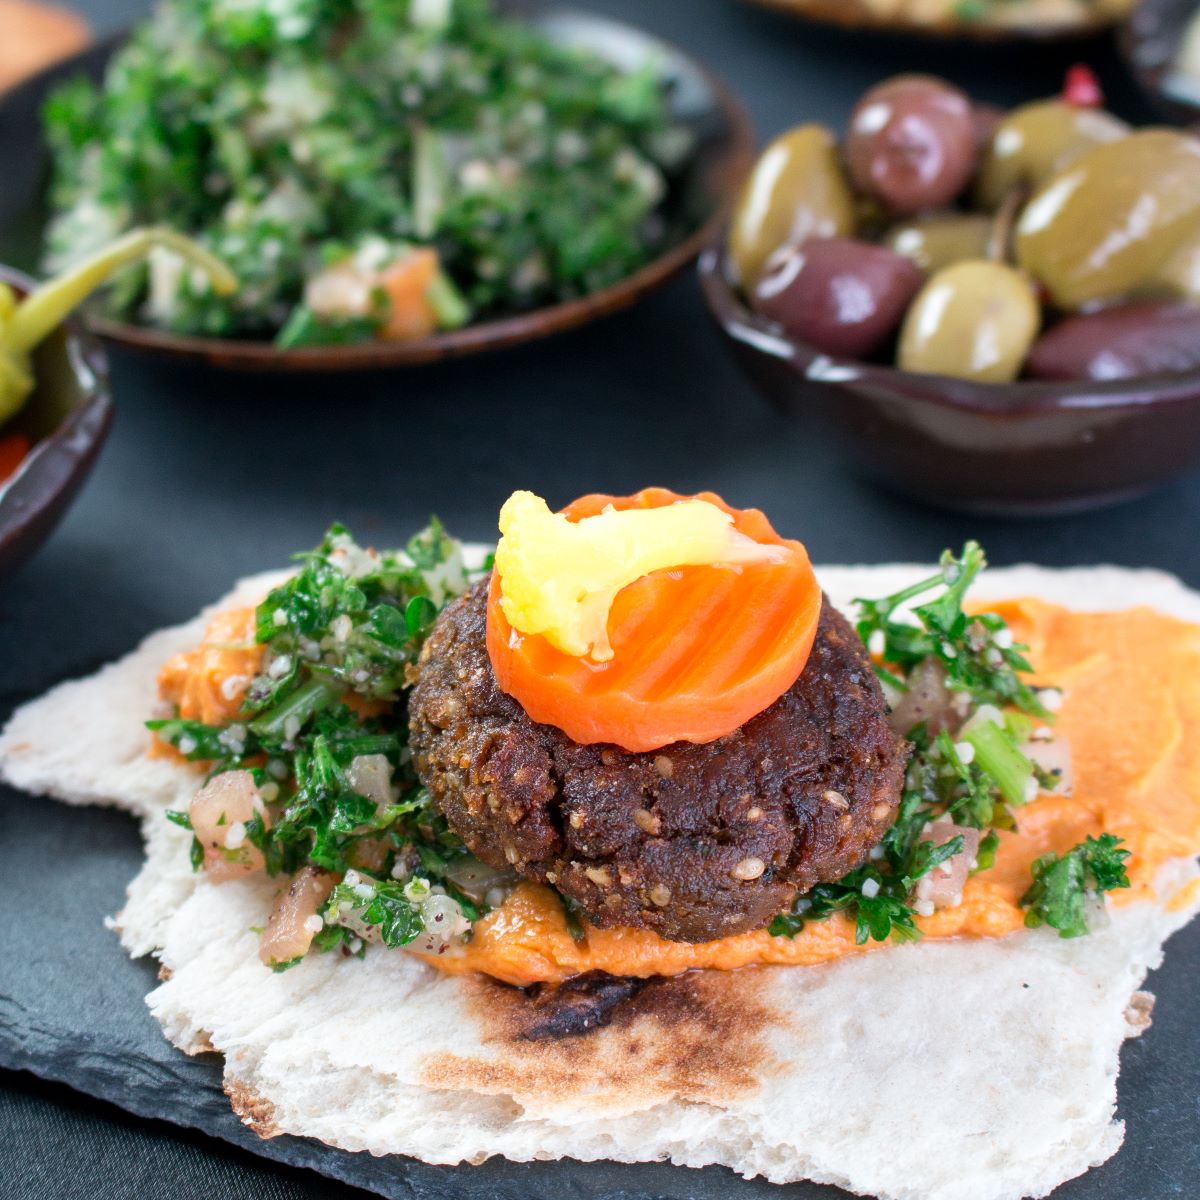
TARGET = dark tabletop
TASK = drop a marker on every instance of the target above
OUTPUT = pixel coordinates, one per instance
(206, 479)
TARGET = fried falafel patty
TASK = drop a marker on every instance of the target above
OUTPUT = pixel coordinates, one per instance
(694, 842)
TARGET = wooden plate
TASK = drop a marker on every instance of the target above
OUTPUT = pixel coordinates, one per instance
(725, 146)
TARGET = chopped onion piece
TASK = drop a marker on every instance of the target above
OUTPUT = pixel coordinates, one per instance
(1054, 757)
(927, 700)
(943, 886)
(370, 775)
(475, 879)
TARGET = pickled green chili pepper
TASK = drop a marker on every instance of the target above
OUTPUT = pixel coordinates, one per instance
(24, 323)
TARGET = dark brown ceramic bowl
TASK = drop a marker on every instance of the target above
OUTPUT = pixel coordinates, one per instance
(856, 14)
(1020, 448)
(693, 210)
(67, 419)
(1149, 42)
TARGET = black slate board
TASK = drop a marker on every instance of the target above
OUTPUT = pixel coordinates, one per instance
(71, 1009)
(205, 480)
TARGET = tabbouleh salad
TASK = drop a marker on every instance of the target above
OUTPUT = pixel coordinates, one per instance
(367, 168)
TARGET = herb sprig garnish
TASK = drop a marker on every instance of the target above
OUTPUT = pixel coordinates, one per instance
(1064, 884)
(977, 778)
(976, 651)
(340, 640)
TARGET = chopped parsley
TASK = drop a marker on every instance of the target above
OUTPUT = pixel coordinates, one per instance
(1064, 884)
(334, 937)
(977, 778)
(387, 908)
(974, 651)
(985, 856)
(573, 919)
(979, 10)
(319, 729)
(876, 895)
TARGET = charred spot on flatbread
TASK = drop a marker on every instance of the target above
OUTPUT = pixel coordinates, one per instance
(586, 1002)
(698, 1036)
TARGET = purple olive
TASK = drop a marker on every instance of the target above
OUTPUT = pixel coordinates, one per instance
(986, 118)
(913, 143)
(1145, 338)
(842, 296)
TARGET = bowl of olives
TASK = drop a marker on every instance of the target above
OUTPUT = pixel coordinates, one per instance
(996, 311)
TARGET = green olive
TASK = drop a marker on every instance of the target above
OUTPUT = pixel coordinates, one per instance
(1099, 229)
(940, 239)
(1179, 276)
(973, 320)
(797, 190)
(1038, 140)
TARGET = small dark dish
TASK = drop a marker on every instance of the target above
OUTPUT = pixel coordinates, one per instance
(1019, 448)
(67, 419)
(694, 210)
(1149, 42)
(854, 14)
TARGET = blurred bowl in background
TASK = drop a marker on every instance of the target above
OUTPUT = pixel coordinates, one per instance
(66, 420)
(1036, 19)
(1150, 42)
(1024, 448)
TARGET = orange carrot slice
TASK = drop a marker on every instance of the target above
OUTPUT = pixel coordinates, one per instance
(698, 651)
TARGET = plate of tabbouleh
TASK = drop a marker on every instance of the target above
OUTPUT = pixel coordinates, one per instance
(391, 181)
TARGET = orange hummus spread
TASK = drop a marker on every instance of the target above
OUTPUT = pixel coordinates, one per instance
(208, 682)
(1130, 717)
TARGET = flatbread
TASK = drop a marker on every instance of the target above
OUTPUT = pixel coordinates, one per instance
(941, 1071)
